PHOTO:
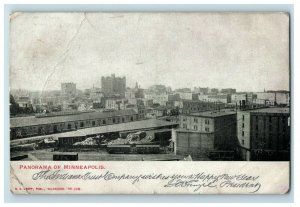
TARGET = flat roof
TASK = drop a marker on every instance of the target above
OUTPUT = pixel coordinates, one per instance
(192, 131)
(272, 110)
(213, 114)
(129, 126)
(32, 121)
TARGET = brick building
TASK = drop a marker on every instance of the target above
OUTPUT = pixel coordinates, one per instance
(264, 134)
(222, 125)
(68, 89)
(113, 85)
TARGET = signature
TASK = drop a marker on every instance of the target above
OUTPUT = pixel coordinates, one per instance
(189, 183)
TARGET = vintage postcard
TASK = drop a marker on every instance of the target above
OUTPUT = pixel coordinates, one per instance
(150, 103)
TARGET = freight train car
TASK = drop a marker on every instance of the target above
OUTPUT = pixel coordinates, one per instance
(147, 149)
(133, 149)
(68, 142)
(118, 149)
(65, 157)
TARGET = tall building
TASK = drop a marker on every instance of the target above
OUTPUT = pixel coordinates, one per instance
(206, 132)
(113, 85)
(68, 89)
(221, 123)
(264, 134)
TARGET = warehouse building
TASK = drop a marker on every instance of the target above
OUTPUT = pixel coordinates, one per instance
(22, 127)
(264, 134)
(206, 131)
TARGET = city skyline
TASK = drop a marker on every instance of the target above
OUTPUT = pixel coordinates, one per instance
(250, 54)
(141, 86)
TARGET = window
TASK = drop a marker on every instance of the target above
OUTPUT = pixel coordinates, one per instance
(114, 120)
(195, 120)
(243, 125)
(270, 119)
(184, 126)
(104, 122)
(81, 124)
(196, 127)
(243, 117)
(206, 121)
(243, 133)
(69, 126)
(284, 129)
(243, 142)
(123, 120)
(93, 123)
(206, 129)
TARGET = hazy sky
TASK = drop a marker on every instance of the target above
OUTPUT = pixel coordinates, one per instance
(248, 52)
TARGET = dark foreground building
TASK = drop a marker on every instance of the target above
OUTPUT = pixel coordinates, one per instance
(206, 134)
(264, 134)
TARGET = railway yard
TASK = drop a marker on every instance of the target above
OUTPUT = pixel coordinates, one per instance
(120, 142)
(102, 155)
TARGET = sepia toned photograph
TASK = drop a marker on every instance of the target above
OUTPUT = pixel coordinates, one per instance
(149, 87)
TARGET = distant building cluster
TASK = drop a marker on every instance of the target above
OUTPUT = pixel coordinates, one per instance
(208, 123)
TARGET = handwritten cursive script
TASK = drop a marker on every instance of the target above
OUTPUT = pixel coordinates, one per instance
(195, 181)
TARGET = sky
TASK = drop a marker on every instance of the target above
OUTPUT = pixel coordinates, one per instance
(246, 51)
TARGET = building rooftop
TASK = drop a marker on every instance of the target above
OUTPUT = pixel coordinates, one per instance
(32, 121)
(193, 131)
(272, 110)
(129, 126)
(213, 114)
(201, 101)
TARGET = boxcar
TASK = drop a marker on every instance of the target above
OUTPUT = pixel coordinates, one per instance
(147, 149)
(118, 149)
(65, 157)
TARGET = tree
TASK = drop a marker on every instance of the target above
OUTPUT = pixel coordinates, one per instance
(14, 106)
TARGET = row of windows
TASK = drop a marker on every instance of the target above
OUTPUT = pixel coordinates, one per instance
(270, 118)
(256, 118)
(56, 128)
(196, 120)
(195, 127)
